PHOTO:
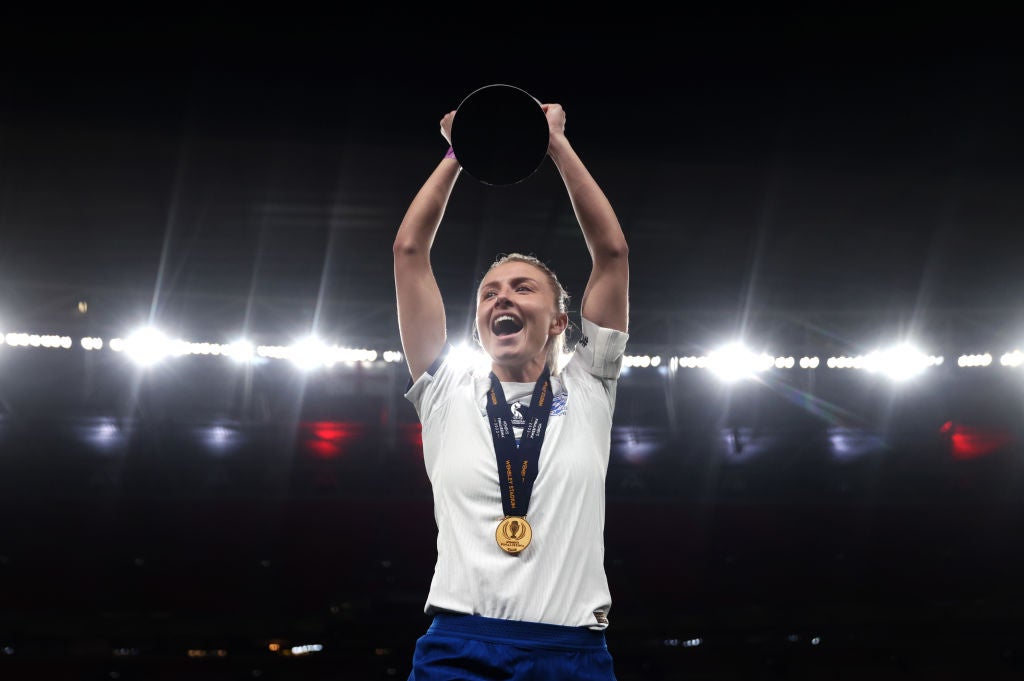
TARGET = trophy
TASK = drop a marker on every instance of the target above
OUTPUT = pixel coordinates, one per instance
(499, 134)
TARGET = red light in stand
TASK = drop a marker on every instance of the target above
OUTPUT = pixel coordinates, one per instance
(327, 439)
(969, 442)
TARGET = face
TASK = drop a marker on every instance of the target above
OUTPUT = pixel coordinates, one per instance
(516, 315)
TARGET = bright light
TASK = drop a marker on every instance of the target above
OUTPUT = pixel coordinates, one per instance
(147, 346)
(690, 362)
(219, 438)
(179, 348)
(469, 356)
(734, 362)
(306, 649)
(308, 354)
(851, 444)
(898, 363)
(312, 353)
(36, 340)
(103, 434)
(844, 362)
(634, 444)
(976, 360)
(240, 351)
(1012, 359)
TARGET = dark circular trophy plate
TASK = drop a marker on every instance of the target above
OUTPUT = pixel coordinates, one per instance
(500, 134)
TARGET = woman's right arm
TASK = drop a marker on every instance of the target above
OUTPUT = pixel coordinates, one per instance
(421, 318)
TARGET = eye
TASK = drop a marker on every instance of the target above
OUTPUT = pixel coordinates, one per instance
(523, 287)
(487, 294)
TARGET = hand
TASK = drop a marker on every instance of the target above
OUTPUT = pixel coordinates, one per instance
(556, 118)
(446, 126)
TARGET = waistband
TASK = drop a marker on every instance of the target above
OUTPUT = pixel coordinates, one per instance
(536, 634)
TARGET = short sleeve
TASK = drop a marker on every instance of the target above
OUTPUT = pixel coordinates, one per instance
(600, 350)
(425, 389)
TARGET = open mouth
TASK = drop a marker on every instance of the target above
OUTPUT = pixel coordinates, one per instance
(506, 325)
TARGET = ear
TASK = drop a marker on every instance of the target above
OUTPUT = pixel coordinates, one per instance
(558, 324)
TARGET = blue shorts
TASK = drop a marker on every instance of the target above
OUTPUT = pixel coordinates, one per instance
(474, 648)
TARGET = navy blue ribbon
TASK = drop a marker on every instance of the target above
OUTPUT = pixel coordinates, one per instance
(517, 464)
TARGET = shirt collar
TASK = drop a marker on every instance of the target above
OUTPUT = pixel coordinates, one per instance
(482, 384)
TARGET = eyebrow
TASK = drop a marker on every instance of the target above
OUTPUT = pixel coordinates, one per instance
(512, 281)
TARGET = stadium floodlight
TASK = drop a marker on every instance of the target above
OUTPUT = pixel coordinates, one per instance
(147, 346)
(240, 350)
(899, 363)
(735, 361)
(309, 354)
(1012, 359)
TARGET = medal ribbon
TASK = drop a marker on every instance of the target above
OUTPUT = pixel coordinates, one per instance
(517, 465)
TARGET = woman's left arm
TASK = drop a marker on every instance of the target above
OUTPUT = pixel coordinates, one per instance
(606, 298)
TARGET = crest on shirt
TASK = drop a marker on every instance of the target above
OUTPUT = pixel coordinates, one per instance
(519, 410)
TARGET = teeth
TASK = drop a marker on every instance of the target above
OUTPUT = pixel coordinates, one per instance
(506, 324)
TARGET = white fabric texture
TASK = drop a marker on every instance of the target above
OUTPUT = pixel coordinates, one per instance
(560, 577)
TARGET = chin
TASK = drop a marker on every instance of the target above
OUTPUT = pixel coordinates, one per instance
(508, 351)
(505, 359)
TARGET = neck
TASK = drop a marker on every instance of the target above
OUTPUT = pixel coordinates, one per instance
(528, 373)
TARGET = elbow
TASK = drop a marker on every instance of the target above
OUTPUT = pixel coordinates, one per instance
(617, 250)
(406, 248)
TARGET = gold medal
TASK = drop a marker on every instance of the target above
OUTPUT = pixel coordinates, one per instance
(513, 534)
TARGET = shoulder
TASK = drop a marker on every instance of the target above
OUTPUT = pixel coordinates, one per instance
(448, 375)
(598, 352)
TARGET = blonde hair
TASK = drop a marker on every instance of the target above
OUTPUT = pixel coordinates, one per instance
(556, 345)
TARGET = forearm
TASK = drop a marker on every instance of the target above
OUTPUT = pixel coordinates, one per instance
(421, 317)
(594, 212)
(606, 298)
(419, 225)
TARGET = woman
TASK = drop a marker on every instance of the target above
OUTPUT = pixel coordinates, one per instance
(516, 458)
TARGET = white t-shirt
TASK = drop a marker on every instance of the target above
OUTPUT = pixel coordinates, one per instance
(559, 578)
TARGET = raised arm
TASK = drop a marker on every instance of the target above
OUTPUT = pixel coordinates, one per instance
(606, 298)
(421, 318)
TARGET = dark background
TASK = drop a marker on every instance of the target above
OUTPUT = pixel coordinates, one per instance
(817, 182)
